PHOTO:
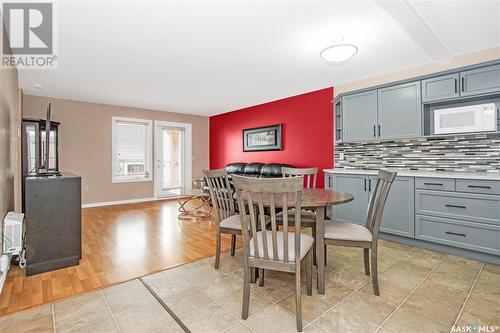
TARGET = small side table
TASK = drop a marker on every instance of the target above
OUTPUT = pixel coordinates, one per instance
(200, 210)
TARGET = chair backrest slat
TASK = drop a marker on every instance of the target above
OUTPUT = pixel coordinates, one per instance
(378, 198)
(309, 174)
(221, 193)
(256, 193)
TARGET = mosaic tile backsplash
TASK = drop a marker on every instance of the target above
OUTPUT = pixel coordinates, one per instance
(460, 153)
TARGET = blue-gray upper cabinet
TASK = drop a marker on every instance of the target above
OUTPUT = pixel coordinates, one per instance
(338, 119)
(399, 210)
(354, 211)
(399, 111)
(360, 116)
(440, 88)
(480, 81)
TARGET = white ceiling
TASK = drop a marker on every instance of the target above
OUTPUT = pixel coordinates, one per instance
(207, 58)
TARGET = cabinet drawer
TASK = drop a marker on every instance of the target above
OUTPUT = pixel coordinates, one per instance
(463, 206)
(468, 235)
(478, 186)
(438, 184)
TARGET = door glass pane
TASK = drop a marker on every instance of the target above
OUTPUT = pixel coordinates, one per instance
(52, 149)
(172, 158)
(31, 155)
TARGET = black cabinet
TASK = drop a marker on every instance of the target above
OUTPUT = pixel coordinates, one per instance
(53, 222)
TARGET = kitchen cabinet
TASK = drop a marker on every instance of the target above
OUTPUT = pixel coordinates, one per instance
(399, 111)
(360, 116)
(440, 88)
(354, 211)
(480, 81)
(399, 211)
(338, 119)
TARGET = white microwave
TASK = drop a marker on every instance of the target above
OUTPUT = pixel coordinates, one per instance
(472, 118)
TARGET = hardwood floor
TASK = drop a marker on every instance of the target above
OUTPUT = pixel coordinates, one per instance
(119, 243)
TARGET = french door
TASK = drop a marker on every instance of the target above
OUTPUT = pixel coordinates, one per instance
(172, 158)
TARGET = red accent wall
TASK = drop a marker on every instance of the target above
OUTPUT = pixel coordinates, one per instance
(307, 132)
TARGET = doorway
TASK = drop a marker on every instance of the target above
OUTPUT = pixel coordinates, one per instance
(172, 158)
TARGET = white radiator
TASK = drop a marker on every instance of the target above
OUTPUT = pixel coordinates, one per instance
(13, 233)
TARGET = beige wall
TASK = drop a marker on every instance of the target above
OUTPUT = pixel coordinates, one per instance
(9, 141)
(460, 61)
(85, 144)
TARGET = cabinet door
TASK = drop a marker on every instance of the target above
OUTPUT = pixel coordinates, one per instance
(399, 210)
(360, 116)
(354, 211)
(480, 81)
(338, 119)
(439, 88)
(399, 111)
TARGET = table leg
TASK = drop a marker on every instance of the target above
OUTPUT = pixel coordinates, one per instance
(320, 248)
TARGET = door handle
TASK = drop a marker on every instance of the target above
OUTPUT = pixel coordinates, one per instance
(374, 131)
(456, 86)
(454, 233)
(369, 185)
(365, 184)
(479, 186)
(455, 206)
(463, 84)
(434, 184)
(379, 130)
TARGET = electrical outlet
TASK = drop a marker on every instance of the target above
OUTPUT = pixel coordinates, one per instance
(85, 188)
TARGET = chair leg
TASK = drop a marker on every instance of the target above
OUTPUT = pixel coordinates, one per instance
(246, 292)
(309, 268)
(217, 249)
(233, 245)
(326, 257)
(374, 272)
(261, 277)
(313, 227)
(298, 303)
(253, 275)
(366, 259)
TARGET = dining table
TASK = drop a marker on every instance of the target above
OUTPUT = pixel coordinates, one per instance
(317, 200)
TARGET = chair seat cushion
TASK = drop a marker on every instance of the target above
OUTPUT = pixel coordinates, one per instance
(306, 243)
(305, 215)
(233, 222)
(347, 231)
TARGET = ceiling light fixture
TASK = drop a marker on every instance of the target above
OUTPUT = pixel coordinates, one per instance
(339, 53)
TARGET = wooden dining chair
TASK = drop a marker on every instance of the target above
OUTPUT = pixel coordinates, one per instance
(365, 237)
(228, 221)
(308, 218)
(272, 249)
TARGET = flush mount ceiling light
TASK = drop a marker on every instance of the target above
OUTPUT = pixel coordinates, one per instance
(339, 54)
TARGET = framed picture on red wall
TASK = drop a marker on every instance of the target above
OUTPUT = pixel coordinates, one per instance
(262, 138)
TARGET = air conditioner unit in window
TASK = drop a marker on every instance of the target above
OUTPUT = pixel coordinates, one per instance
(13, 233)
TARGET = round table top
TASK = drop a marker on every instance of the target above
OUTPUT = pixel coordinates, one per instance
(313, 198)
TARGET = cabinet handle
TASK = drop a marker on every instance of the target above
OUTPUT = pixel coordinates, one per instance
(369, 185)
(378, 130)
(454, 233)
(479, 186)
(463, 84)
(374, 131)
(365, 184)
(456, 86)
(329, 181)
(434, 184)
(455, 206)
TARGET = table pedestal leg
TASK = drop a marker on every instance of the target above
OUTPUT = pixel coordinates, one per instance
(320, 248)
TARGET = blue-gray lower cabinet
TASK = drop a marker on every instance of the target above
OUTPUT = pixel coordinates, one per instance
(399, 211)
(464, 234)
(354, 211)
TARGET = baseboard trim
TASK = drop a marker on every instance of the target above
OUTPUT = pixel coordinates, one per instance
(119, 202)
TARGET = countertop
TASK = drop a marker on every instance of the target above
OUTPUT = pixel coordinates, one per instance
(429, 174)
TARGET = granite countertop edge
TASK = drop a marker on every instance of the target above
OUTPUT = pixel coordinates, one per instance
(427, 174)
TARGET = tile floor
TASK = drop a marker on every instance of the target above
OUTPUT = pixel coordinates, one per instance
(421, 291)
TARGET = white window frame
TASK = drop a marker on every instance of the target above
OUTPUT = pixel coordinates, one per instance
(149, 150)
